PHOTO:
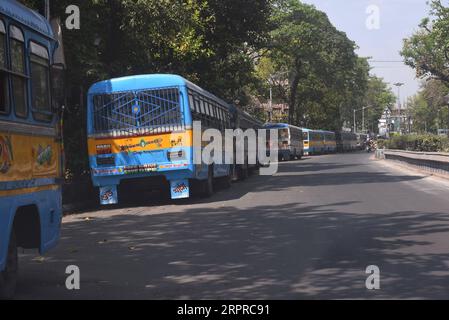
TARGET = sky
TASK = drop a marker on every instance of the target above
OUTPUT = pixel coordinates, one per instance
(397, 19)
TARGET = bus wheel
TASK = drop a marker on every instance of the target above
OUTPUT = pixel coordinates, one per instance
(208, 185)
(8, 277)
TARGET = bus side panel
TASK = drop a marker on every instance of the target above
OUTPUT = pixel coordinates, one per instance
(5, 227)
(29, 166)
(49, 205)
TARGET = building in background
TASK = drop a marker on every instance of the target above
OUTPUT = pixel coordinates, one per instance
(277, 113)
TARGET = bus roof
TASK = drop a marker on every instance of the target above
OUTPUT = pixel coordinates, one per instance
(26, 16)
(313, 130)
(280, 125)
(148, 81)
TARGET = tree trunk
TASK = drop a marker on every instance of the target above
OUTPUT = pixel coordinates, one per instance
(292, 100)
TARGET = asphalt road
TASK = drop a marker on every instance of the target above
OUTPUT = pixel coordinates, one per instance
(309, 232)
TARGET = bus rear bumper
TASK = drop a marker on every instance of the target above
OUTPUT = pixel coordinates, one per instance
(178, 179)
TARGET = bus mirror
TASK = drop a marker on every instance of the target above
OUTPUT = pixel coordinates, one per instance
(58, 86)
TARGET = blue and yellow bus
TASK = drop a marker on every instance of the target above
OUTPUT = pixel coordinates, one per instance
(142, 127)
(30, 140)
(313, 141)
(244, 121)
(319, 141)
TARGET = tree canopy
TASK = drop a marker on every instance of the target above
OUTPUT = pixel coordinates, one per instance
(427, 51)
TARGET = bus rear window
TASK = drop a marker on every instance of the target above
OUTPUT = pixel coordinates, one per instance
(137, 112)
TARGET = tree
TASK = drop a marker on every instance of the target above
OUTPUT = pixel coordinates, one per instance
(210, 42)
(423, 117)
(378, 97)
(427, 51)
(320, 62)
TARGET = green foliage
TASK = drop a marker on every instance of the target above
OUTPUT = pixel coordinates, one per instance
(427, 50)
(313, 67)
(378, 97)
(318, 60)
(428, 109)
(422, 143)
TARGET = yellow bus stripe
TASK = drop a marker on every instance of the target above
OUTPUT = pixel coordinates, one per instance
(142, 143)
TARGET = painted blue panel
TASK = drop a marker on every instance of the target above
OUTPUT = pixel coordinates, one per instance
(49, 205)
(23, 184)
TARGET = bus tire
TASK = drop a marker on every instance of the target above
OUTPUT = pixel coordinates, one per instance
(8, 277)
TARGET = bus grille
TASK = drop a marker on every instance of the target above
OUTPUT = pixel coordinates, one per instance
(138, 112)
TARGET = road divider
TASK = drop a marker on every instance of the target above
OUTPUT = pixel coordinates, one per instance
(434, 162)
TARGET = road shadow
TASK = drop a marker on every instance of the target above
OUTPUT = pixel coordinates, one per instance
(290, 174)
(292, 251)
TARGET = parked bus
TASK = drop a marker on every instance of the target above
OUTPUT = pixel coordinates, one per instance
(330, 142)
(142, 127)
(290, 139)
(314, 142)
(244, 121)
(30, 139)
(346, 141)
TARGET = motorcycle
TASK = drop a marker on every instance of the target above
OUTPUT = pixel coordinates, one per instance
(371, 146)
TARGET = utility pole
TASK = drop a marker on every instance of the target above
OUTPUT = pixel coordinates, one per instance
(399, 85)
(355, 125)
(270, 117)
(363, 119)
(446, 100)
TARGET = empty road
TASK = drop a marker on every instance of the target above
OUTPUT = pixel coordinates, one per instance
(309, 232)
